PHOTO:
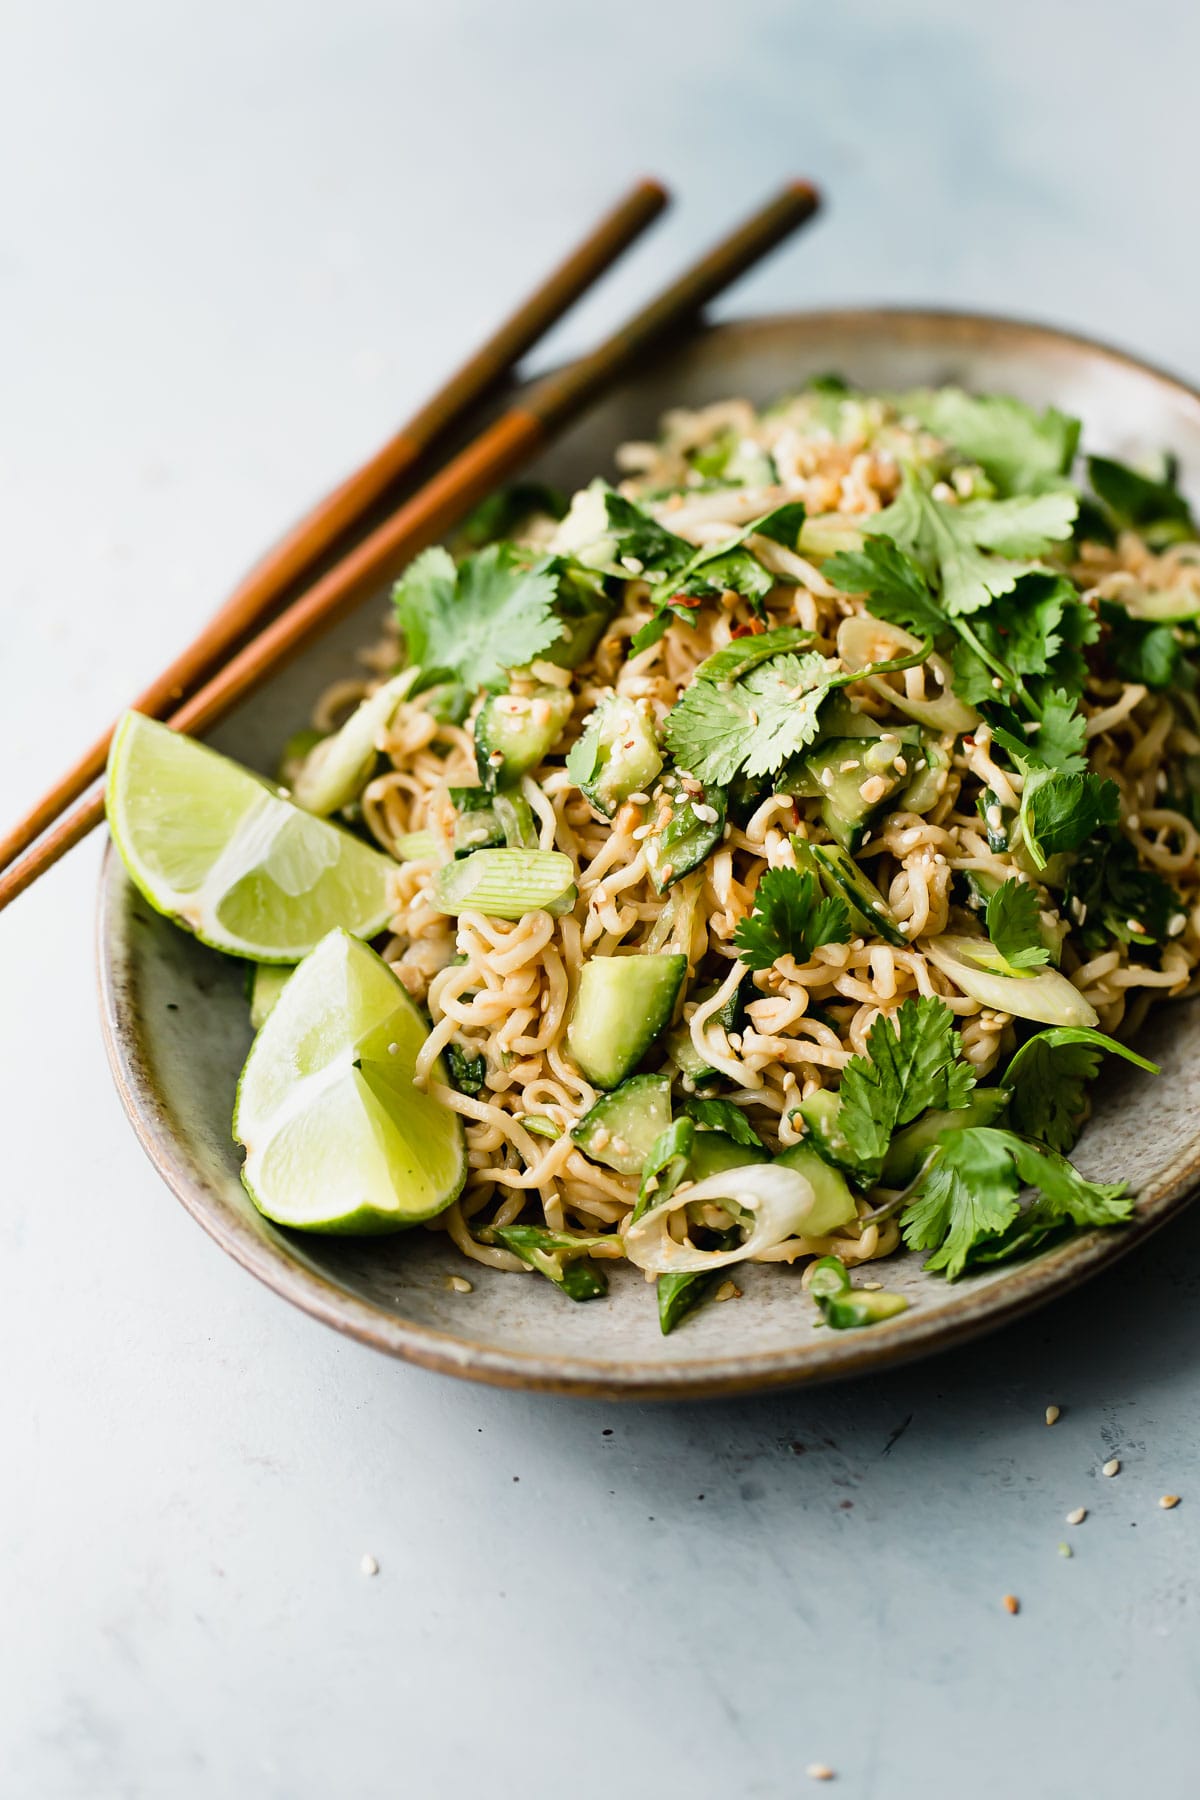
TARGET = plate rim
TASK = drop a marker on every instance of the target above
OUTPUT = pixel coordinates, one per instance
(911, 1335)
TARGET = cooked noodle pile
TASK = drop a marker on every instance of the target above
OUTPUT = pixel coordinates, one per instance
(503, 989)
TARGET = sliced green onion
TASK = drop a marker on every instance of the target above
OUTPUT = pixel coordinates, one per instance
(417, 846)
(558, 1256)
(856, 1307)
(771, 1201)
(540, 1125)
(1047, 997)
(864, 643)
(338, 768)
(506, 884)
(829, 1276)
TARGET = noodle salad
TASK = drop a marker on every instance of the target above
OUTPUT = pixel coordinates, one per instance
(781, 836)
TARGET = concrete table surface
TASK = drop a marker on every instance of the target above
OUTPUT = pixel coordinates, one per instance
(236, 241)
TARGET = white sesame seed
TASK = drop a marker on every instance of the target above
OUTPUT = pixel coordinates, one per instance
(640, 799)
(1133, 822)
(826, 778)
(1176, 924)
(872, 1287)
(1136, 926)
(1053, 1415)
(997, 683)
(1078, 1516)
(495, 759)
(728, 1291)
(993, 818)
(1167, 1501)
(643, 831)
(368, 1565)
(819, 1772)
(461, 1285)
(873, 789)
(707, 815)
(393, 1049)
(1112, 1466)
(634, 564)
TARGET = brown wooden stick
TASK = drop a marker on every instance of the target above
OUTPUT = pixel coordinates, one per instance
(495, 455)
(298, 552)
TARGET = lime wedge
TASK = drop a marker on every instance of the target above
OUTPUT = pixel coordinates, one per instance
(219, 850)
(336, 1136)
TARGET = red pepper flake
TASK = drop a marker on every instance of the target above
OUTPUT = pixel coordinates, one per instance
(968, 743)
(752, 628)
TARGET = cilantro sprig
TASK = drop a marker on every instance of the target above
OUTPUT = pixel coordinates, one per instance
(473, 622)
(1013, 926)
(914, 1063)
(790, 918)
(966, 1207)
(1020, 450)
(1047, 1079)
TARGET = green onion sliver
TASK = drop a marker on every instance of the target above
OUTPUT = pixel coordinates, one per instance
(829, 1276)
(506, 884)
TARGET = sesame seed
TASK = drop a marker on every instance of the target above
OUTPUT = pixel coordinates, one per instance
(666, 872)
(872, 1287)
(728, 1291)
(495, 759)
(901, 766)
(393, 1049)
(1053, 1415)
(1112, 1466)
(460, 1284)
(826, 778)
(997, 683)
(643, 831)
(819, 1772)
(921, 763)
(1167, 1501)
(873, 789)
(1133, 822)
(1011, 1603)
(1176, 924)
(1078, 1516)
(368, 1565)
(707, 815)
(753, 716)
(634, 564)
(993, 818)
(640, 799)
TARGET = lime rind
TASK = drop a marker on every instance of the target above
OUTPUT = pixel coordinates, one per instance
(222, 852)
(337, 1137)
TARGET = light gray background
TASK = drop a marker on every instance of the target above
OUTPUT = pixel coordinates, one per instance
(237, 240)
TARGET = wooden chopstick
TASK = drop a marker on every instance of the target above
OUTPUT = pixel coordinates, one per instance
(494, 455)
(296, 556)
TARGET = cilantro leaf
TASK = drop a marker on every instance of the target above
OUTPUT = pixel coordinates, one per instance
(1110, 894)
(1047, 1079)
(913, 1064)
(893, 582)
(980, 549)
(473, 623)
(970, 1192)
(723, 1115)
(1021, 450)
(1060, 812)
(789, 919)
(1055, 742)
(1132, 501)
(1014, 927)
(753, 725)
(637, 535)
(745, 653)
(1140, 651)
(967, 1208)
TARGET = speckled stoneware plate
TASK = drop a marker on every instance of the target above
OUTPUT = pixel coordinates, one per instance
(177, 1032)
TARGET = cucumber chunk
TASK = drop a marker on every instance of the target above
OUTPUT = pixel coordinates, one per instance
(622, 1004)
(622, 1128)
(822, 1132)
(841, 878)
(617, 755)
(856, 779)
(928, 784)
(688, 836)
(909, 1148)
(514, 732)
(835, 1203)
(713, 1152)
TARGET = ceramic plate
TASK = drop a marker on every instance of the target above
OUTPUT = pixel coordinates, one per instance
(177, 1032)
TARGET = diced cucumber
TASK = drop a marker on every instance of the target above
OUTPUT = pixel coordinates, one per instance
(621, 1129)
(477, 826)
(927, 785)
(820, 1115)
(841, 878)
(689, 835)
(622, 1005)
(617, 755)
(266, 983)
(713, 1152)
(834, 1204)
(514, 732)
(856, 779)
(506, 884)
(909, 1148)
(687, 1059)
